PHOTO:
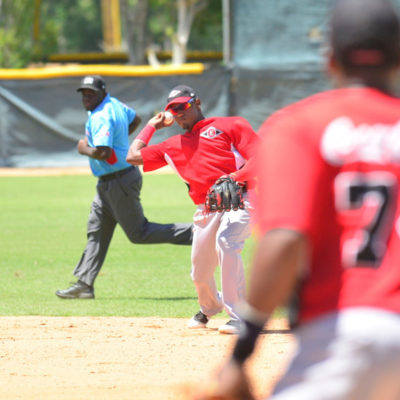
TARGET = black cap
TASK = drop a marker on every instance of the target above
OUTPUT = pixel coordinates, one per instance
(180, 94)
(365, 33)
(92, 82)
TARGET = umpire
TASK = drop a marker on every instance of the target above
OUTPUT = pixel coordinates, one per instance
(117, 200)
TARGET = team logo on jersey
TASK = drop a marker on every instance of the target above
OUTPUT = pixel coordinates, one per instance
(211, 133)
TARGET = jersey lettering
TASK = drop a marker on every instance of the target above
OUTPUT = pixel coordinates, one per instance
(366, 205)
(344, 142)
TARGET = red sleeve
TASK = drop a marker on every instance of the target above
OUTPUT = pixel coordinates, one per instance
(153, 157)
(246, 173)
(246, 142)
(287, 168)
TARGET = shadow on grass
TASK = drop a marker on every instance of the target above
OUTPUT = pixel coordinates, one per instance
(146, 298)
(167, 298)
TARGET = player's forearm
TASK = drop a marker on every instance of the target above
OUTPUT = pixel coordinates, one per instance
(134, 155)
(246, 173)
(98, 153)
(278, 260)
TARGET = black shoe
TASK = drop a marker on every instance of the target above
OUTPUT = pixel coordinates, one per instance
(232, 327)
(77, 291)
(200, 320)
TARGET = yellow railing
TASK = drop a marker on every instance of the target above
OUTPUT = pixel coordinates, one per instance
(121, 56)
(106, 70)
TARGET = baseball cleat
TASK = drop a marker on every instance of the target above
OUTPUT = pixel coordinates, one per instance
(232, 327)
(79, 290)
(200, 320)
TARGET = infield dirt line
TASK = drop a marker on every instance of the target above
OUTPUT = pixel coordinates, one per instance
(59, 171)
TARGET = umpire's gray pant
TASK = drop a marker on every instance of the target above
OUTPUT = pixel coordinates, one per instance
(118, 201)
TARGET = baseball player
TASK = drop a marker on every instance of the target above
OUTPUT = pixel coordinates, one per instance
(209, 149)
(118, 188)
(328, 209)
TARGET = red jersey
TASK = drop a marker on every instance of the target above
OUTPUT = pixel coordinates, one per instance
(329, 166)
(215, 147)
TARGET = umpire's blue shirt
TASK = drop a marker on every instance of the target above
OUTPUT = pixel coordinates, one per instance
(108, 125)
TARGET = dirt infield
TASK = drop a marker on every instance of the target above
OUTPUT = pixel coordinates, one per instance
(44, 171)
(58, 171)
(122, 358)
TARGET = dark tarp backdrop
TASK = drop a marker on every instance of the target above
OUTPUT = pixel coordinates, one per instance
(276, 58)
(41, 120)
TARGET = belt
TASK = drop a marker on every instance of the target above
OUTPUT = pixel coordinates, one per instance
(117, 174)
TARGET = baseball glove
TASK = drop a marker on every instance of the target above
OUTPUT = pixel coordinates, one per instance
(226, 194)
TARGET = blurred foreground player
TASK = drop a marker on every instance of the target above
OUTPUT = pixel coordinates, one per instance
(328, 209)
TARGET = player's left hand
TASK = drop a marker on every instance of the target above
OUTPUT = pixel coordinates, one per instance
(225, 195)
(229, 383)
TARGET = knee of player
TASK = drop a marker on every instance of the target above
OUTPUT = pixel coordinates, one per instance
(227, 243)
(200, 276)
(136, 237)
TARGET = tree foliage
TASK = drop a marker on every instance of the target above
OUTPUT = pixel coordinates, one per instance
(206, 32)
(207, 27)
(75, 26)
(167, 25)
(187, 11)
(18, 43)
(135, 15)
(79, 24)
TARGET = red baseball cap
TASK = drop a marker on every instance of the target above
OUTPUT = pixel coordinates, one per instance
(180, 94)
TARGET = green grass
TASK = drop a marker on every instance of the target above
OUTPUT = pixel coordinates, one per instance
(43, 233)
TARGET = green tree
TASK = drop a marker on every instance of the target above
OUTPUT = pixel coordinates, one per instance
(24, 36)
(16, 39)
(186, 13)
(78, 23)
(177, 25)
(74, 26)
(135, 17)
(207, 27)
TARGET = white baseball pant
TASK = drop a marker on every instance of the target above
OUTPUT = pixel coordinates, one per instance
(352, 355)
(218, 239)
